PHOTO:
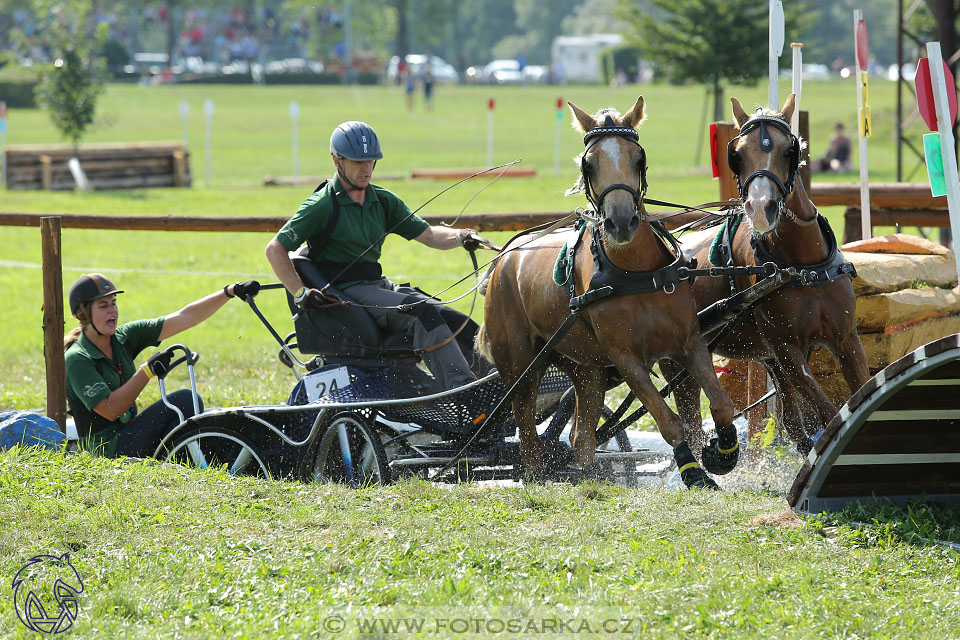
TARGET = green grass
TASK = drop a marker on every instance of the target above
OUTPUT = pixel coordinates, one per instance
(251, 140)
(165, 552)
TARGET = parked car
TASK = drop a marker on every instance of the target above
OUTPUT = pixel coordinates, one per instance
(536, 73)
(503, 72)
(442, 72)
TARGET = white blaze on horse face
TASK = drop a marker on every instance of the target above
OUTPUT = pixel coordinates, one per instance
(759, 194)
(614, 168)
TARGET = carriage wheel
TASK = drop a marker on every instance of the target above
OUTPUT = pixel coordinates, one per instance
(207, 448)
(348, 451)
(619, 442)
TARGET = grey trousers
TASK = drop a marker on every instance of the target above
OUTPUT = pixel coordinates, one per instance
(424, 322)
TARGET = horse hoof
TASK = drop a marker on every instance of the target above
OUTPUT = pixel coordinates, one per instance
(697, 478)
(717, 462)
(540, 476)
(805, 446)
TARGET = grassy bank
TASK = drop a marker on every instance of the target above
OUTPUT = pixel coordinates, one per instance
(165, 552)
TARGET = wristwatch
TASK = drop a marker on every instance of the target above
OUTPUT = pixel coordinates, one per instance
(299, 295)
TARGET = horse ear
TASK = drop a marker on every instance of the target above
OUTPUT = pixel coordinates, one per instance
(738, 113)
(582, 121)
(787, 112)
(636, 114)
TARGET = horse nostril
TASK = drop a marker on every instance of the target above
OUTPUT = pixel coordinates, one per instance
(609, 225)
(634, 222)
(771, 209)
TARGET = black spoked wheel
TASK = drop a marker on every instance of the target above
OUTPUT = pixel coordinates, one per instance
(349, 451)
(216, 447)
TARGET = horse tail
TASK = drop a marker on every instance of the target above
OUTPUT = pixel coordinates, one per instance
(481, 344)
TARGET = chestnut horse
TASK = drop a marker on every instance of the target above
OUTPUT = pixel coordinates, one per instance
(642, 321)
(779, 224)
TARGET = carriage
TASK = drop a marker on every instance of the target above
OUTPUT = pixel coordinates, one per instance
(362, 411)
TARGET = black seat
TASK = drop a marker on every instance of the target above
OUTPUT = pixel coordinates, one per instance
(342, 334)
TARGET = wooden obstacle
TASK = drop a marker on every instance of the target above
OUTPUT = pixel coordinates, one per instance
(107, 166)
(896, 439)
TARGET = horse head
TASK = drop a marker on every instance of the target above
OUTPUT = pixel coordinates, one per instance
(613, 168)
(764, 157)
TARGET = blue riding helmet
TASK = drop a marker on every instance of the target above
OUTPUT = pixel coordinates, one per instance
(355, 141)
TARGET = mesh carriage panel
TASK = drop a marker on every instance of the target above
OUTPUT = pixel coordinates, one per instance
(454, 413)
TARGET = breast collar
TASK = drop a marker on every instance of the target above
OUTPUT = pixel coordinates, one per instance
(817, 275)
(605, 273)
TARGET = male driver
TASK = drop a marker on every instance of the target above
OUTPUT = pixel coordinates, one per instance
(348, 254)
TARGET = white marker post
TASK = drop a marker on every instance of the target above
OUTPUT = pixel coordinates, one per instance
(208, 112)
(490, 132)
(184, 112)
(945, 129)
(797, 48)
(294, 114)
(556, 139)
(776, 48)
(863, 115)
(3, 144)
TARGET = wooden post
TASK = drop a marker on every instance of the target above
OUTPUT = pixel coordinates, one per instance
(179, 169)
(53, 320)
(46, 172)
(756, 387)
(728, 182)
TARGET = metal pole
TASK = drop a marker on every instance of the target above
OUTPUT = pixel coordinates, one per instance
(899, 90)
(865, 226)
(947, 151)
(797, 48)
(53, 320)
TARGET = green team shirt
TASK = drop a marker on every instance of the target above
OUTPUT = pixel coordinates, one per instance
(358, 227)
(91, 377)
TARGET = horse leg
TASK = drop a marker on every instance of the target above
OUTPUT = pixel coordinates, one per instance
(788, 395)
(853, 361)
(722, 452)
(687, 397)
(590, 383)
(669, 424)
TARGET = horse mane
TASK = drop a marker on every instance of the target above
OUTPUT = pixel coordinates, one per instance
(598, 118)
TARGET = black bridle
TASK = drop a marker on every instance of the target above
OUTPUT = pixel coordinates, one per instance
(761, 122)
(591, 138)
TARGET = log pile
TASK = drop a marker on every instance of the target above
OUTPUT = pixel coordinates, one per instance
(107, 166)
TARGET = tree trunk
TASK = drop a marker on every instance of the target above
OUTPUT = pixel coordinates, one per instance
(718, 112)
(171, 32)
(403, 28)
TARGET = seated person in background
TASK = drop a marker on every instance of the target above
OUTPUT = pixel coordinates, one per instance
(838, 156)
(349, 254)
(102, 381)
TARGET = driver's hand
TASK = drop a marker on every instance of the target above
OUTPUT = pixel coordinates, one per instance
(470, 240)
(316, 299)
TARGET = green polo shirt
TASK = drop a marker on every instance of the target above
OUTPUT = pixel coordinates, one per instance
(91, 377)
(359, 227)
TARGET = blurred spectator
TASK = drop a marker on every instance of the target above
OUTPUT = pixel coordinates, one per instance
(409, 87)
(838, 155)
(427, 87)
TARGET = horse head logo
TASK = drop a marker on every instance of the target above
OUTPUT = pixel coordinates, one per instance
(45, 593)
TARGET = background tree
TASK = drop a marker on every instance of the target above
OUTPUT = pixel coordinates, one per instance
(711, 42)
(70, 84)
